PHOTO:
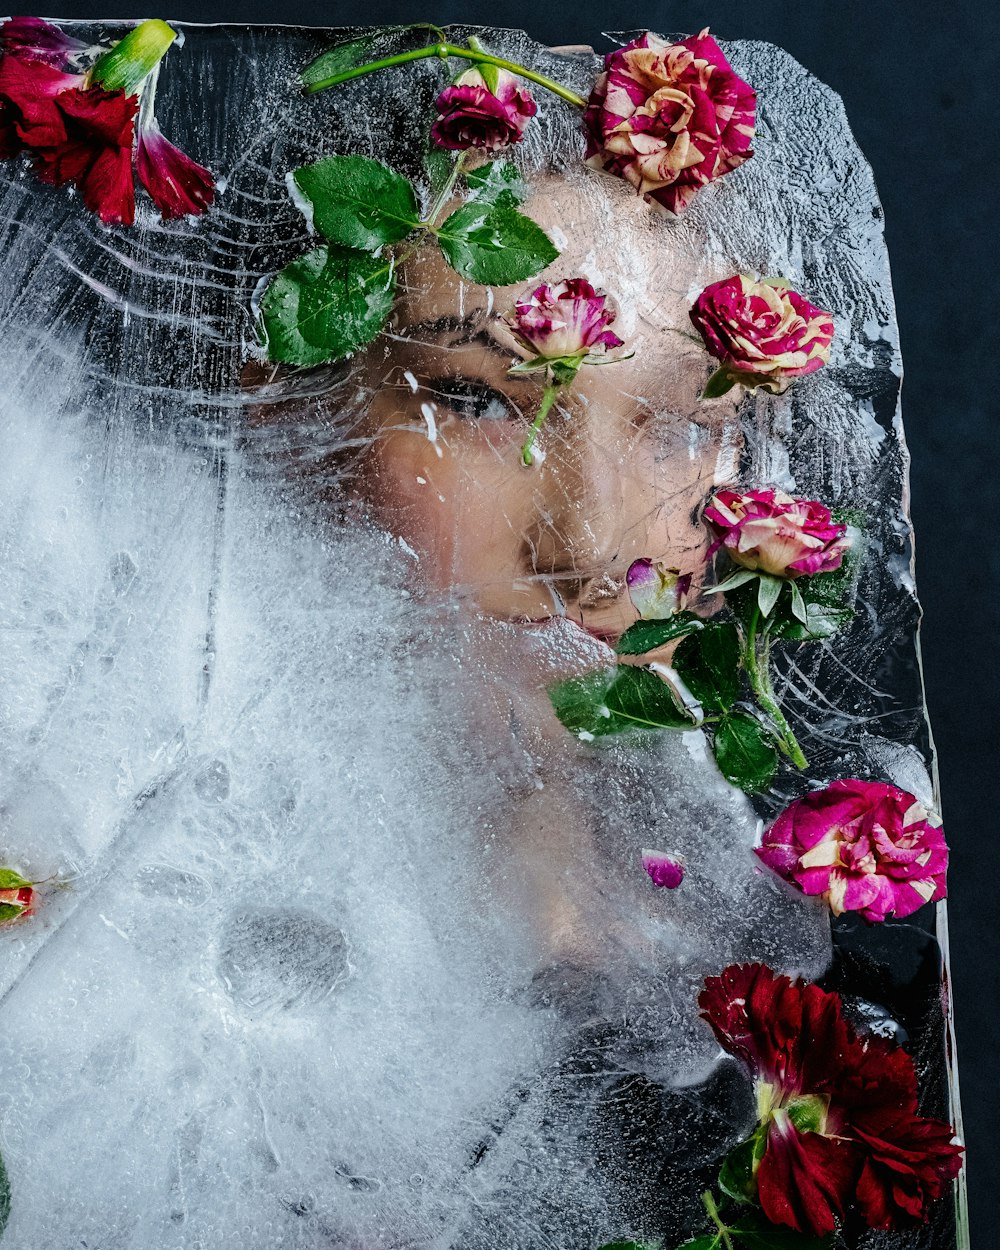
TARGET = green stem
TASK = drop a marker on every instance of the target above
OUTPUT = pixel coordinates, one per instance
(758, 670)
(444, 50)
(127, 65)
(713, 1215)
(444, 195)
(548, 399)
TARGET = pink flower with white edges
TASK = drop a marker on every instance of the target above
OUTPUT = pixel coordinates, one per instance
(669, 118)
(771, 532)
(865, 846)
(656, 591)
(665, 872)
(764, 333)
(470, 115)
(569, 319)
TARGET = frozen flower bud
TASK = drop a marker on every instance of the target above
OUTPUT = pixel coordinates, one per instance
(471, 115)
(768, 531)
(664, 871)
(17, 896)
(764, 333)
(864, 846)
(656, 591)
(669, 118)
(566, 320)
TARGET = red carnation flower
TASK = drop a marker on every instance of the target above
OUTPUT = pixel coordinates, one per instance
(839, 1113)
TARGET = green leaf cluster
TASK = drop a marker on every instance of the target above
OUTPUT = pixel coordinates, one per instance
(327, 304)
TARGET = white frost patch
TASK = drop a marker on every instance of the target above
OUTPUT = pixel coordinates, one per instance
(429, 414)
(301, 202)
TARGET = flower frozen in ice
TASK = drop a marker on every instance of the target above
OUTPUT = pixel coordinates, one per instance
(472, 114)
(764, 333)
(839, 1131)
(17, 896)
(865, 846)
(656, 591)
(79, 127)
(771, 532)
(564, 322)
(669, 118)
(664, 870)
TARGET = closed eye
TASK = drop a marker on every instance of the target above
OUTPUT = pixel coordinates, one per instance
(475, 401)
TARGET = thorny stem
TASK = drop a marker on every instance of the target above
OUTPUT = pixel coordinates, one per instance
(548, 399)
(713, 1214)
(758, 670)
(444, 50)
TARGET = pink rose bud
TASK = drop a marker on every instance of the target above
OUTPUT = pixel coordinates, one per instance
(568, 319)
(865, 846)
(770, 532)
(656, 591)
(17, 896)
(669, 118)
(665, 872)
(473, 116)
(763, 332)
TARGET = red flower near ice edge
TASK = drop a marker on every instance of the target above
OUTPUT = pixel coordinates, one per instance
(838, 1113)
(78, 125)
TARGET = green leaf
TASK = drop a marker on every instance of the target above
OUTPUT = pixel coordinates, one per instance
(10, 911)
(757, 1233)
(626, 1245)
(808, 1112)
(768, 590)
(4, 1197)
(497, 182)
(799, 610)
(646, 636)
(737, 1179)
(341, 57)
(718, 384)
(707, 1241)
(357, 202)
(438, 166)
(744, 752)
(325, 305)
(618, 700)
(11, 880)
(494, 245)
(708, 662)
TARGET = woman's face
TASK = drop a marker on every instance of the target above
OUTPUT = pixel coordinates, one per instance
(626, 457)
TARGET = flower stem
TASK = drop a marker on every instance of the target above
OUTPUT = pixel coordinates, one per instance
(758, 671)
(444, 195)
(548, 399)
(713, 1215)
(132, 59)
(444, 50)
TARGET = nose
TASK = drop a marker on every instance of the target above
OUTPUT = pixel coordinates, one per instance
(578, 504)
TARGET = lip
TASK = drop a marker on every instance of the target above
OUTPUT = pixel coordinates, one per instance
(608, 636)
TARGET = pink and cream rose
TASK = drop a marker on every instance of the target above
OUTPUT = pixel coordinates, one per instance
(770, 532)
(669, 118)
(864, 846)
(764, 333)
(470, 115)
(563, 320)
(657, 592)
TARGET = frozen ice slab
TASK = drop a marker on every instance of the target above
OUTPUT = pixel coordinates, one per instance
(345, 943)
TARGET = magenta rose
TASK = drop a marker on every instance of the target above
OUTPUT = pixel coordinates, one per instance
(665, 872)
(763, 332)
(865, 846)
(669, 118)
(565, 320)
(770, 532)
(473, 116)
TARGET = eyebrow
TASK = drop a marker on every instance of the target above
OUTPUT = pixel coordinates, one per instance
(469, 330)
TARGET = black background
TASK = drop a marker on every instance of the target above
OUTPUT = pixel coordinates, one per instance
(919, 84)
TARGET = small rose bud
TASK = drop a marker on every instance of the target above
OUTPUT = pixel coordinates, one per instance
(473, 116)
(656, 591)
(665, 872)
(669, 118)
(763, 332)
(768, 531)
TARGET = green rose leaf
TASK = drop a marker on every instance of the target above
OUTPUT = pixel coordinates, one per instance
(579, 703)
(708, 663)
(357, 202)
(757, 1233)
(626, 1245)
(325, 305)
(744, 752)
(341, 57)
(618, 700)
(737, 1179)
(494, 244)
(8, 911)
(718, 384)
(4, 1197)
(707, 1241)
(11, 880)
(497, 183)
(646, 636)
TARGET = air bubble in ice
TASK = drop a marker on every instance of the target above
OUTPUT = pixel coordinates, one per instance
(211, 783)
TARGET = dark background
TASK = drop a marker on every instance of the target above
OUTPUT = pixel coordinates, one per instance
(919, 84)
